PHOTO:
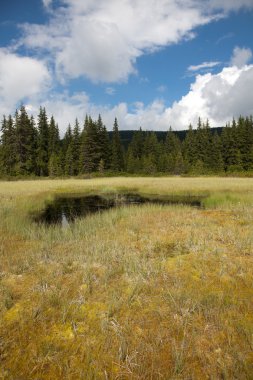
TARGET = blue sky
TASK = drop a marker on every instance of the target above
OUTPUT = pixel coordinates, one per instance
(150, 63)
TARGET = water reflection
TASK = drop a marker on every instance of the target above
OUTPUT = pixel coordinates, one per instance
(64, 210)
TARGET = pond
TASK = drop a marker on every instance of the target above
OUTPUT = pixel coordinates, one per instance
(65, 209)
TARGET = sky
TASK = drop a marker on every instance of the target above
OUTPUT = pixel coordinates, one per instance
(150, 63)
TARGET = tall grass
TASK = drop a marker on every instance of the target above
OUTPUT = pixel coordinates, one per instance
(151, 292)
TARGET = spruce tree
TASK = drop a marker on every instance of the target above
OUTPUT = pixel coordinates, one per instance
(8, 147)
(190, 148)
(151, 153)
(34, 146)
(173, 151)
(54, 165)
(230, 152)
(117, 162)
(149, 164)
(69, 161)
(135, 152)
(76, 147)
(25, 135)
(54, 149)
(53, 137)
(103, 144)
(89, 157)
(43, 143)
(244, 141)
(66, 142)
(216, 164)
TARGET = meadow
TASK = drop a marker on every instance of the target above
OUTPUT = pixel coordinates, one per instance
(150, 292)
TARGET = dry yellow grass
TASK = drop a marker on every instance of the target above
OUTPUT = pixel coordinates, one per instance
(134, 293)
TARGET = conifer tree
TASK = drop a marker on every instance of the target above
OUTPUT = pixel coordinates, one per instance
(151, 153)
(25, 149)
(149, 164)
(135, 152)
(103, 144)
(216, 164)
(53, 137)
(163, 157)
(190, 148)
(66, 142)
(34, 146)
(76, 147)
(174, 154)
(131, 162)
(89, 157)
(8, 147)
(230, 151)
(43, 143)
(54, 165)
(69, 161)
(24, 143)
(203, 143)
(179, 163)
(137, 143)
(54, 149)
(117, 162)
(82, 145)
(244, 140)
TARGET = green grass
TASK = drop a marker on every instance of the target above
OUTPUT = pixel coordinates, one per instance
(133, 293)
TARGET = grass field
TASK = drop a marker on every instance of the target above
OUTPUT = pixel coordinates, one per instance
(151, 292)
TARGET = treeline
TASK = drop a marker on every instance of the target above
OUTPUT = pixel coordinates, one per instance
(35, 148)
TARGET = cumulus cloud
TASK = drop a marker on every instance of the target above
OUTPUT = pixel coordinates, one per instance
(241, 56)
(216, 97)
(20, 78)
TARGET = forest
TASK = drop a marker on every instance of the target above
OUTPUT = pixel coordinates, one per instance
(30, 147)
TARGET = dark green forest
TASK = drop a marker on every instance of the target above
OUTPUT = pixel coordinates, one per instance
(30, 147)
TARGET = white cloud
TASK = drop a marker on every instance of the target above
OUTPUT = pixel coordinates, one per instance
(204, 65)
(66, 108)
(228, 5)
(218, 97)
(47, 3)
(20, 78)
(241, 56)
(102, 40)
(224, 37)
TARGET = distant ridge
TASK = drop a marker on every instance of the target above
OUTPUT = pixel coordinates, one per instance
(126, 136)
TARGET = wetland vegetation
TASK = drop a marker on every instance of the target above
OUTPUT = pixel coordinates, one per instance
(65, 209)
(150, 292)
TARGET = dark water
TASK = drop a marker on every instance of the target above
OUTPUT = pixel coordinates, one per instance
(64, 210)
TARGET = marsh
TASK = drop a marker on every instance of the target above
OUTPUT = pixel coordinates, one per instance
(64, 210)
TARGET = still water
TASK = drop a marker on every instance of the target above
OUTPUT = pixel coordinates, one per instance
(65, 209)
